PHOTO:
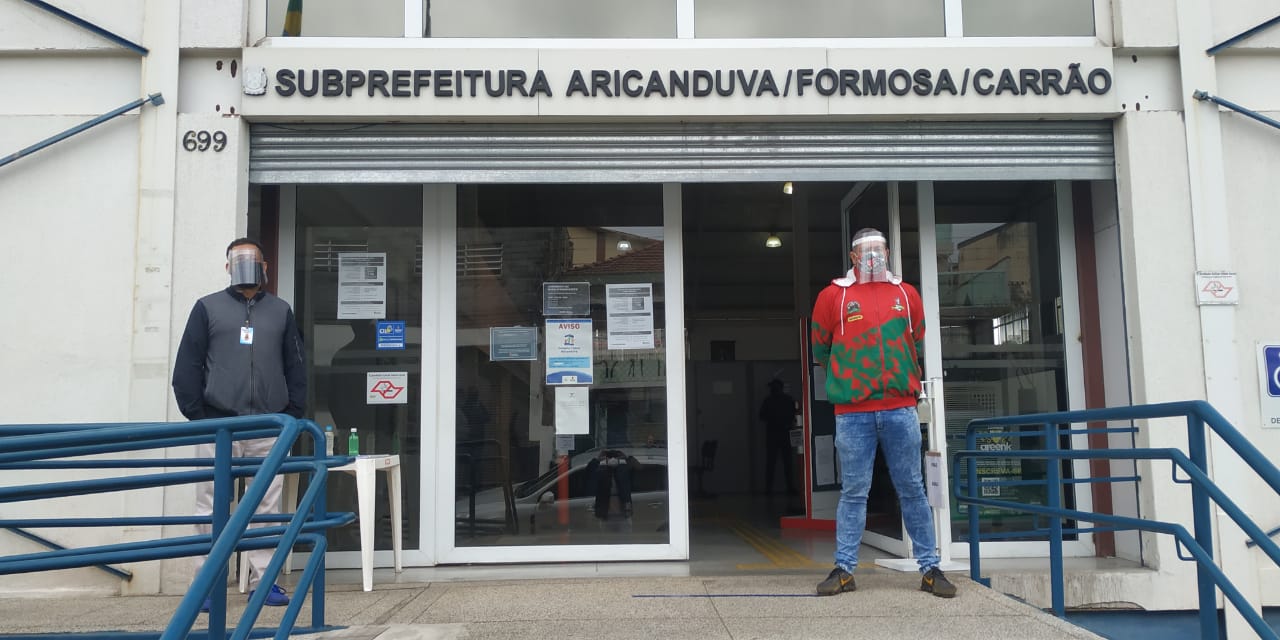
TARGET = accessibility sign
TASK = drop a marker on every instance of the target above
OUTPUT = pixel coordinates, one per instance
(1269, 384)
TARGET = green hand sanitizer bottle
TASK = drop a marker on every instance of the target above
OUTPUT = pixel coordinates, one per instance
(353, 443)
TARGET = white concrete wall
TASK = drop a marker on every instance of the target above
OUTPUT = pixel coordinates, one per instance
(1144, 23)
(1163, 326)
(1249, 74)
(69, 215)
(1251, 151)
(24, 27)
(214, 24)
(1238, 16)
(209, 212)
(1155, 222)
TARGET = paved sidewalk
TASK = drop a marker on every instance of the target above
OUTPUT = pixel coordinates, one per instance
(887, 605)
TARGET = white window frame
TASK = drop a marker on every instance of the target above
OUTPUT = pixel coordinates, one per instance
(414, 21)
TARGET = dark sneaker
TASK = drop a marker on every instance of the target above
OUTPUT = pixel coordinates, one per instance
(935, 582)
(838, 581)
(276, 598)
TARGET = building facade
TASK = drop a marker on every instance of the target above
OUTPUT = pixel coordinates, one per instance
(600, 228)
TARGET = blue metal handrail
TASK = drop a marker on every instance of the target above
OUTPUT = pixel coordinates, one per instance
(1236, 39)
(1193, 463)
(1205, 96)
(46, 446)
(154, 99)
(47, 543)
(89, 26)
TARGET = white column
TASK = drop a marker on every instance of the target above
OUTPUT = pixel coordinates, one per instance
(1211, 232)
(153, 249)
(677, 428)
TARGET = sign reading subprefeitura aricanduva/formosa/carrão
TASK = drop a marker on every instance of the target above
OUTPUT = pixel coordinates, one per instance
(690, 83)
(708, 81)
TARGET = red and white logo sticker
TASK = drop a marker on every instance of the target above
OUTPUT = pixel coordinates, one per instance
(387, 387)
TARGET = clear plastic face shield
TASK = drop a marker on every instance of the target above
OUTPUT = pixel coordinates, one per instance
(870, 257)
(246, 267)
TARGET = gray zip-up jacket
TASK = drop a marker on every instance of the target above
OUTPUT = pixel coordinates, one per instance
(240, 357)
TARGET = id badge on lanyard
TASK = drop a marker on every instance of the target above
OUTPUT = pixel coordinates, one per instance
(246, 335)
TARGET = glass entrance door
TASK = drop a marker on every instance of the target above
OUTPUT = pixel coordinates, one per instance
(1004, 314)
(994, 263)
(892, 208)
(561, 433)
(357, 278)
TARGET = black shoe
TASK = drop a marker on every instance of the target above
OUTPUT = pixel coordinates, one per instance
(838, 581)
(935, 582)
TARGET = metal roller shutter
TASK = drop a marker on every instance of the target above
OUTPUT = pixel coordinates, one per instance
(693, 152)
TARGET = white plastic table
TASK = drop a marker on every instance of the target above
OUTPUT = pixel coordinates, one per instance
(365, 469)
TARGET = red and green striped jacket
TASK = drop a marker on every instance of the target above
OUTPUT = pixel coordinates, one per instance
(867, 337)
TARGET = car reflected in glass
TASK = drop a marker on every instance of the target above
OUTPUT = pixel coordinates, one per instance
(591, 498)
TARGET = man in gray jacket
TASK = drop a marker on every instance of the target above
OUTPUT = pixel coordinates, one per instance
(241, 354)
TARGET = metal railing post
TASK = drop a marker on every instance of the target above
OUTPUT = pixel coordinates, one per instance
(321, 510)
(975, 556)
(1203, 527)
(222, 531)
(221, 514)
(1054, 480)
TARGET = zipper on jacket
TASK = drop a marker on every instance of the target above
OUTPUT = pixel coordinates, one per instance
(253, 384)
(879, 329)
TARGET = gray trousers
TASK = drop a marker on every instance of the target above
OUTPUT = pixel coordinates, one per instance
(258, 558)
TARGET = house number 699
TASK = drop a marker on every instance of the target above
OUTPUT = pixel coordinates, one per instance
(202, 140)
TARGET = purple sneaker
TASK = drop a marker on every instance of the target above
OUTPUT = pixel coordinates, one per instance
(276, 597)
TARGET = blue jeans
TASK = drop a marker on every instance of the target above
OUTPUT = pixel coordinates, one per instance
(897, 431)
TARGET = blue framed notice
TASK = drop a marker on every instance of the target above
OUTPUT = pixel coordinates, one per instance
(570, 351)
(390, 335)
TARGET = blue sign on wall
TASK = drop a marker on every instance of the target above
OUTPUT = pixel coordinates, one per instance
(390, 335)
(1271, 360)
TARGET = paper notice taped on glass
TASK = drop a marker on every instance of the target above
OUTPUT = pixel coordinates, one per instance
(630, 315)
(572, 416)
(362, 286)
(935, 488)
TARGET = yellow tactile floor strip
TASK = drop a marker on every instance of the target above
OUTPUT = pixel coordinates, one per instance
(780, 555)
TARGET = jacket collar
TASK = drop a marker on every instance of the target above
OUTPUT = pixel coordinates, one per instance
(235, 293)
(850, 279)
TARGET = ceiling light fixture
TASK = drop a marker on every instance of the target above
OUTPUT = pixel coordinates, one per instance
(787, 187)
(773, 241)
(624, 245)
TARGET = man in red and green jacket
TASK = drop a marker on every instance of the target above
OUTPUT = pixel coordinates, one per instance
(867, 331)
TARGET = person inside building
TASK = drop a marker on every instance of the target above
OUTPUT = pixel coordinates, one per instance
(241, 354)
(778, 411)
(867, 331)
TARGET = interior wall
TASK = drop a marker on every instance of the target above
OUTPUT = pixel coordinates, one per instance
(726, 398)
(1115, 355)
